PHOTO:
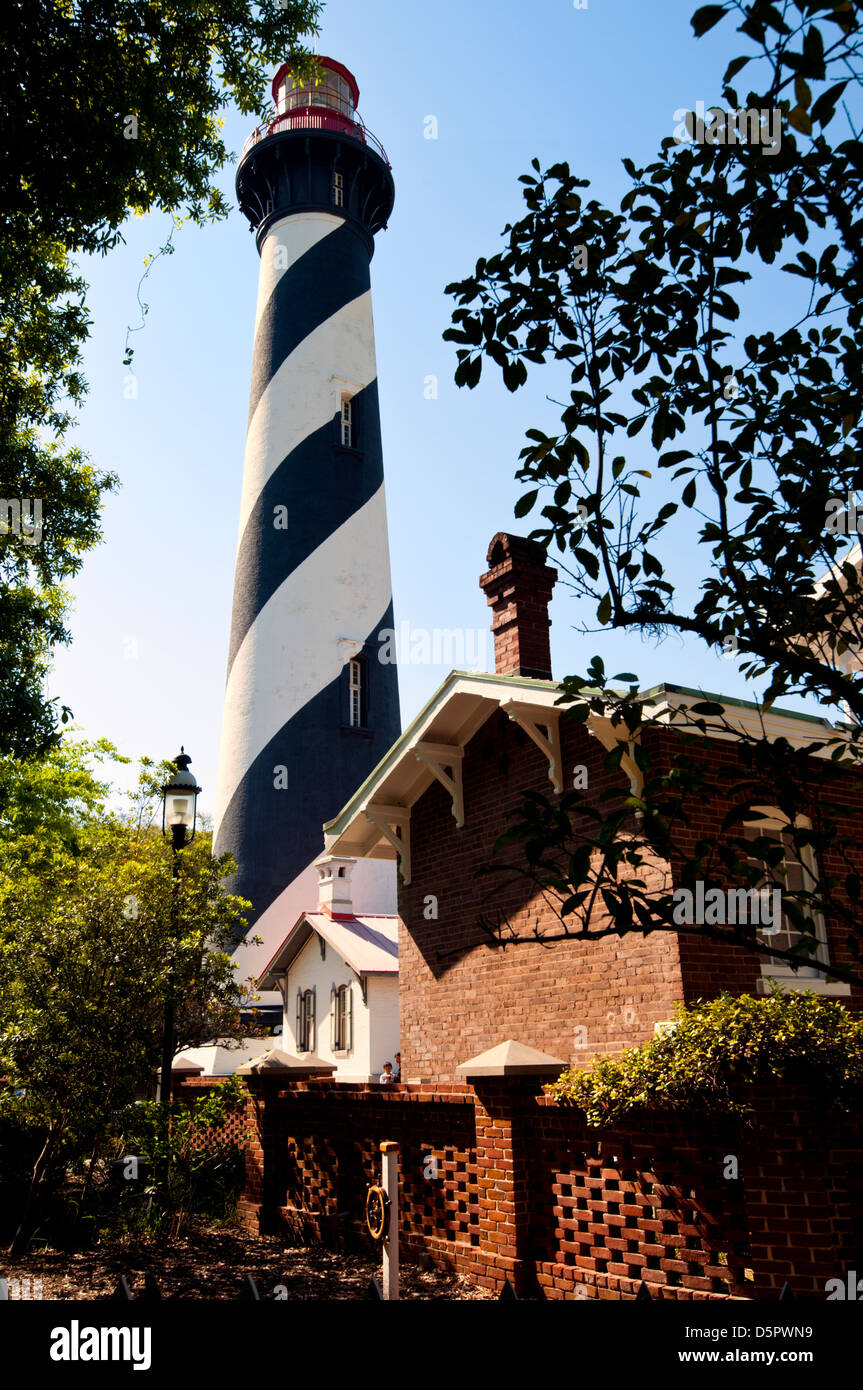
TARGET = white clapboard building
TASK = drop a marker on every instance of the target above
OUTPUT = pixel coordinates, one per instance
(337, 973)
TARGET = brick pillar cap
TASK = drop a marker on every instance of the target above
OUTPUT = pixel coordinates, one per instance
(184, 1066)
(278, 1061)
(512, 1058)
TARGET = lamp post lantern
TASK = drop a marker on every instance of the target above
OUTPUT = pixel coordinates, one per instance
(180, 802)
(179, 818)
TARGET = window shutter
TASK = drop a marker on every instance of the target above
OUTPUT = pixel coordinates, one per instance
(312, 1019)
(349, 1018)
(299, 1031)
(334, 1022)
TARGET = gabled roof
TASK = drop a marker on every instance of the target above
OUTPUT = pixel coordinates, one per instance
(455, 712)
(369, 944)
(375, 823)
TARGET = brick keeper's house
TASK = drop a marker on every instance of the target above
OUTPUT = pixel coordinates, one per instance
(438, 801)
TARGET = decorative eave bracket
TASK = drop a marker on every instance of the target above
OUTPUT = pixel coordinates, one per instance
(389, 820)
(533, 719)
(437, 757)
(604, 730)
(363, 982)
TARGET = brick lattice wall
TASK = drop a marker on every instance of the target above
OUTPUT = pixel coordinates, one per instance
(321, 1143)
(235, 1130)
(617, 1207)
(526, 1189)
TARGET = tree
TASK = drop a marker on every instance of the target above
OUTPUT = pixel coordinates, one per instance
(92, 943)
(640, 309)
(111, 108)
(43, 323)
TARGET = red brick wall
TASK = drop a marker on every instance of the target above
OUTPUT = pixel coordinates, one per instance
(454, 1007)
(459, 998)
(709, 967)
(527, 1190)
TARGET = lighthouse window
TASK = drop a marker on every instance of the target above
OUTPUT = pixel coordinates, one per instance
(347, 422)
(339, 190)
(356, 694)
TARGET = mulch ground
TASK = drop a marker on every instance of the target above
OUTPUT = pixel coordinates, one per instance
(212, 1263)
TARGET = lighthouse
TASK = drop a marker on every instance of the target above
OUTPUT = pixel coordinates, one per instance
(310, 708)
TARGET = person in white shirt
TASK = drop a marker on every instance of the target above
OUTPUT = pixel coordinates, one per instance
(387, 1074)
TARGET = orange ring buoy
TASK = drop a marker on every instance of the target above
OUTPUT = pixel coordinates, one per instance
(377, 1212)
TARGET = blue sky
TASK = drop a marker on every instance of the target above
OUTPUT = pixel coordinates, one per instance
(506, 81)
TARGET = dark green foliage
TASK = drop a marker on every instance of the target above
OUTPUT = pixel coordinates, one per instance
(752, 430)
(72, 74)
(189, 1170)
(716, 1051)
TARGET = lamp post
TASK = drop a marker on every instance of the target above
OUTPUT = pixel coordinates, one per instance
(179, 816)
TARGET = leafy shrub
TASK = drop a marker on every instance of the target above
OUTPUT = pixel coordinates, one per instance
(719, 1048)
(20, 1144)
(186, 1169)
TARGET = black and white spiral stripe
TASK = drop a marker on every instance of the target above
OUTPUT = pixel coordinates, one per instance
(305, 597)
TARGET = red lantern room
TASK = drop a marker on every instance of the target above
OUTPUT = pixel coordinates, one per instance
(330, 103)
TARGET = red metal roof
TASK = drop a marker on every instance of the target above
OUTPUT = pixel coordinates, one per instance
(369, 943)
(325, 63)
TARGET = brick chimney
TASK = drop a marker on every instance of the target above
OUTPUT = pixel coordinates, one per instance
(518, 587)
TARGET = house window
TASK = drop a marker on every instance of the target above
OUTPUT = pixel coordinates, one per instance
(342, 1018)
(796, 871)
(347, 424)
(305, 1020)
(338, 190)
(355, 694)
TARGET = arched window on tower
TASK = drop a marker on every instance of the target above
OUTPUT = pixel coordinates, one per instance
(347, 424)
(355, 693)
(338, 190)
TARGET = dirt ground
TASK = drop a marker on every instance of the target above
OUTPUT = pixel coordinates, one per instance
(212, 1263)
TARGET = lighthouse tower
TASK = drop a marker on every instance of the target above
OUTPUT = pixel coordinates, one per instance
(309, 708)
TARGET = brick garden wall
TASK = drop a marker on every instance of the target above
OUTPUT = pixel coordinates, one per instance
(316, 1153)
(236, 1127)
(526, 1189)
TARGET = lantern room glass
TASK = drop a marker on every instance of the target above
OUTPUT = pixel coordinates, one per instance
(332, 92)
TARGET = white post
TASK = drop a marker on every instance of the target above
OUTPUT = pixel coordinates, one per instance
(390, 1185)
